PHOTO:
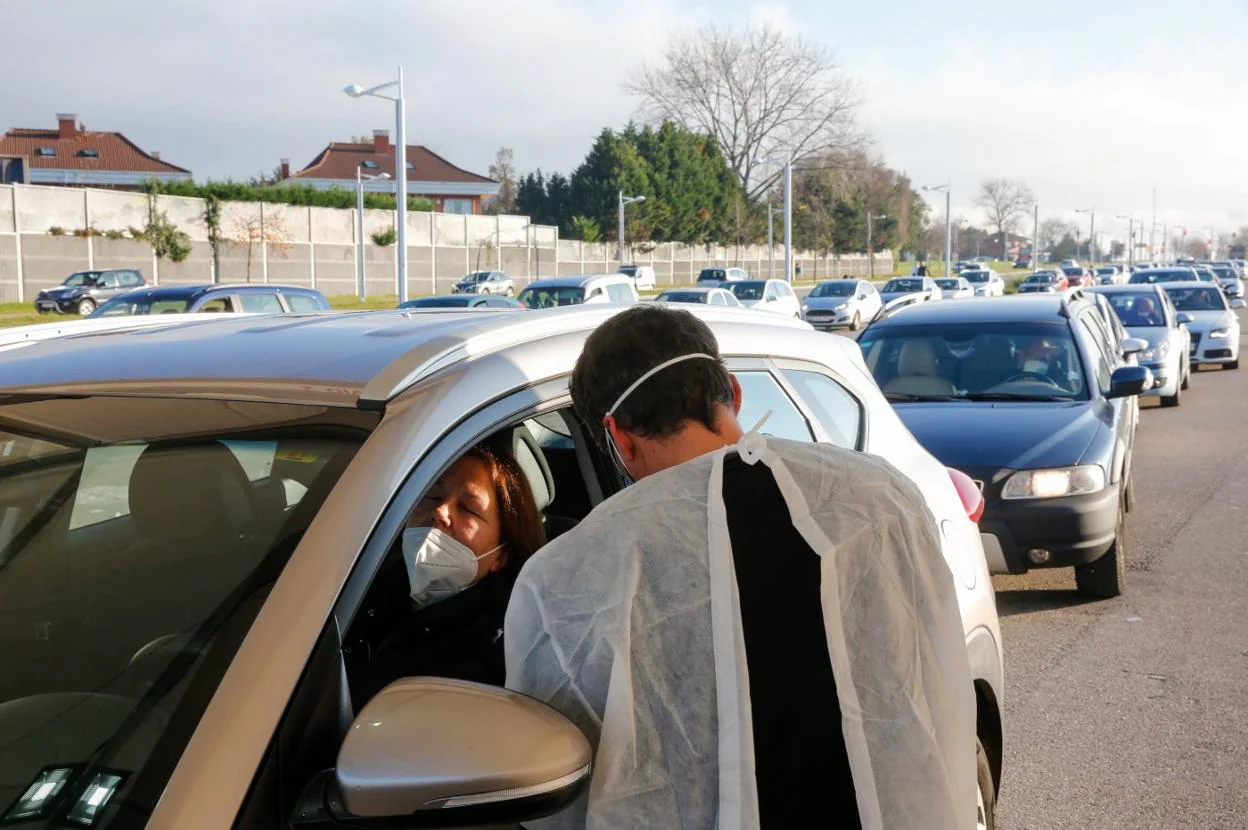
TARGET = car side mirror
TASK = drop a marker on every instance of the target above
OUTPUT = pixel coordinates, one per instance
(1183, 318)
(1133, 345)
(1129, 380)
(433, 752)
(1237, 303)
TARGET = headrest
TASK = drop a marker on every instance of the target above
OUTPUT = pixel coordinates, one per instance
(528, 455)
(918, 357)
(179, 492)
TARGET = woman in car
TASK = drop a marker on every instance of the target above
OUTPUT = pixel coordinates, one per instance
(462, 549)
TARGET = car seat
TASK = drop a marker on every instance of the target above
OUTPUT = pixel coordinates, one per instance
(527, 452)
(918, 371)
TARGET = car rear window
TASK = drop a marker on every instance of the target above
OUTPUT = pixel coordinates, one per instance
(549, 297)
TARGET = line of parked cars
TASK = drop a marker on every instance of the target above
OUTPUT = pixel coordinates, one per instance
(1048, 384)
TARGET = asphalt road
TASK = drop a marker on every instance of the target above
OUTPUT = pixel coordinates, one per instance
(1133, 712)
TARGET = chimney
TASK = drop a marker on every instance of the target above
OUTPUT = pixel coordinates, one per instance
(67, 124)
(155, 154)
(285, 168)
(381, 141)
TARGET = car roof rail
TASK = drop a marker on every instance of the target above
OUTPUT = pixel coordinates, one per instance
(1072, 295)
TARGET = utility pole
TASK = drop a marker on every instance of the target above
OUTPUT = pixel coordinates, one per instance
(871, 244)
(1035, 237)
(788, 216)
(771, 247)
(1152, 231)
(625, 200)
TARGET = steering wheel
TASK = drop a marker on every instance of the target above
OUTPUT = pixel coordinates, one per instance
(1030, 376)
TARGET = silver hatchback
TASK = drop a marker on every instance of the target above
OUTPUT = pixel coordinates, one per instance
(200, 546)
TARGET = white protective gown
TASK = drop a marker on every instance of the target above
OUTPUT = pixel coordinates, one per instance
(629, 625)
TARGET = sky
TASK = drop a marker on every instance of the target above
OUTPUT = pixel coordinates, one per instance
(1094, 104)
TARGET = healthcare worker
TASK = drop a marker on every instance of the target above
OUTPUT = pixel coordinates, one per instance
(758, 632)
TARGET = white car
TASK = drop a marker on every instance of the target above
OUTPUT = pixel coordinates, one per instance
(767, 295)
(579, 290)
(643, 276)
(955, 288)
(985, 282)
(1148, 315)
(1214, 326)
(835, 303)
(701, 296)
(1111, 275)
(171, 687)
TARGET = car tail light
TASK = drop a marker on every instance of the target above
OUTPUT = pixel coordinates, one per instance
(969, 492)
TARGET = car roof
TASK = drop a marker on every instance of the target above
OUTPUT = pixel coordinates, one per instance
(224, 288)
(577, 281)
(694, 289)
(350, 359)
(1132, 288)
(1018, 308)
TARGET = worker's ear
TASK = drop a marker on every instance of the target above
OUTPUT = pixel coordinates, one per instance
(736, 394)
(624, 440)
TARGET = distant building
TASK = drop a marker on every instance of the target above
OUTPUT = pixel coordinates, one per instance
(71, 156)
(451, 189)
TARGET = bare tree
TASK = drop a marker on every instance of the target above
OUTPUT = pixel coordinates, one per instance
(503, 171)
(1052, 231)
(1004, 201)
(254, 228)
(758, 91)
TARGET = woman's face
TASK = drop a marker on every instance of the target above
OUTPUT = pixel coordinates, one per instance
(464, 504)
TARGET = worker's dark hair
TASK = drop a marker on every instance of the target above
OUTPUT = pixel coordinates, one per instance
(632, 343)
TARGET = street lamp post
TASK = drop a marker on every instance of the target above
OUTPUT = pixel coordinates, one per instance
(948, 191)
(771, 246)
(400, 170)
(1130, 239)
(1091, 234)
(360, 178)
(625, 200)
(871, 243)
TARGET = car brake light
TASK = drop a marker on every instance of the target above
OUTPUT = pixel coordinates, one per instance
(969, 492)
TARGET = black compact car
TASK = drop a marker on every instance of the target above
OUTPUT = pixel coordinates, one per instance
(85, 291)
(462, 301)
(1034, 399)
(227, 299)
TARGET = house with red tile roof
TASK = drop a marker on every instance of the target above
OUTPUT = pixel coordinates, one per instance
(451, 189)
(72, 156)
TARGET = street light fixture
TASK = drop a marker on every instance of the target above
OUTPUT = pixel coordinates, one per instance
(1130, 238)
(788, 208)
(400, 169)
(948, 191)
(360, 178)
(625, 200)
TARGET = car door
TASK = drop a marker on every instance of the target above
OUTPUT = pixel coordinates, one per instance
(870, 299)
(1104, 358)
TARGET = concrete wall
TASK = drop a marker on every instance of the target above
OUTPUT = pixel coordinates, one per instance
(317, 246)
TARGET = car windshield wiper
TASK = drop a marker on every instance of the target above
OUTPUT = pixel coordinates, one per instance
(907, 397)
(1014, 396)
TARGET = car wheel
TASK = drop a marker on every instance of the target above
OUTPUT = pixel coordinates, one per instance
(1106, 577)
(86, 307)
(1187, 379)
(856, 323)
(1234, 364)
(986, 809)
(1173, 400)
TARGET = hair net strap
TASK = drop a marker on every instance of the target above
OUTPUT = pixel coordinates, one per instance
(738, 790)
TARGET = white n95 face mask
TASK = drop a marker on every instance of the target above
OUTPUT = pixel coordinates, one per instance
(438, 565)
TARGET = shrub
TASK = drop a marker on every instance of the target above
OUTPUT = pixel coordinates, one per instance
(290, 194)
(115, 234)
(85, 232)
(385, 238)
(56, 230)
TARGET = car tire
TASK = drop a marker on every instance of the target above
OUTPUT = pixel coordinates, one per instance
(985, 818)
(1173, 400)
(1106, 577)
(85, 307)
(1187, 379)
(1234, 364)
(855, 323)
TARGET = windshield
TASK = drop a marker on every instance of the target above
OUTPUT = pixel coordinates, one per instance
(551, 296)
(477, 276)
(628, 270)
(1073, 272)
(1138, 310)
(903, 285)
(82, 278)
(987, 361)
(976, 276)
(1106, 271)
(1041, 279)
(1197, 299)
(439, 302)
(1224, 272)
(948, 283)
(138, 540)
(841, 288)
(716, 274)
(748, 290)
(125, 305)
(1175, 275)
(683, 297)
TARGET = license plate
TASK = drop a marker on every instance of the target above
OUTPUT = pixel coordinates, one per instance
(48, 306)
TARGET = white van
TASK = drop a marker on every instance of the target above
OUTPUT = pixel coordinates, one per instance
(579, 290)
(643, 276)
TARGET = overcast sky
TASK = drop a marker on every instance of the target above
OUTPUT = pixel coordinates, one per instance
(1091, 103)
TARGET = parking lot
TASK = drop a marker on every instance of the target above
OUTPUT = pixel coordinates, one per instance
(1133, 712)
